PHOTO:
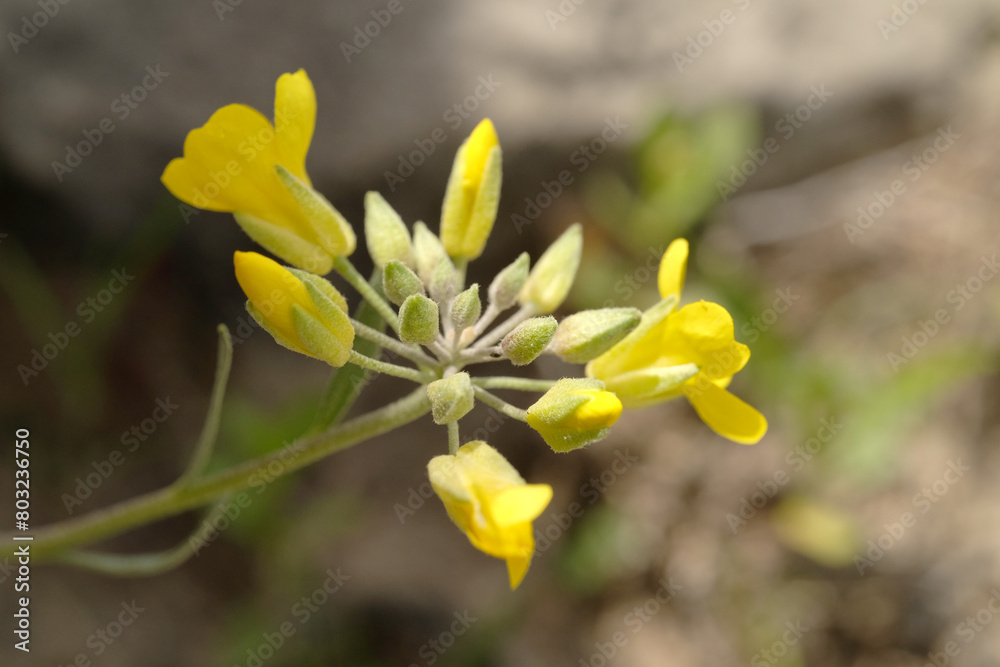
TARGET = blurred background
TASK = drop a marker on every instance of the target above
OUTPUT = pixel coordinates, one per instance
(836, 167)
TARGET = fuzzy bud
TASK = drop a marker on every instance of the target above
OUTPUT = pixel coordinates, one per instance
(589, 334)
(528, 340)
(451, 398)
(418, 320)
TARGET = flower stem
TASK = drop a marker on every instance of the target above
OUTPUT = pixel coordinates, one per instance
(210, 431)
(499, 404)
(453, 438)
(410, 352)
(56, 538)
(344, 267)
(505, 382)
(493, 337)
(387, 368)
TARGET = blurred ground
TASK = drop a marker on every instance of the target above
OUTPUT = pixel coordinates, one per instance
(878, 378)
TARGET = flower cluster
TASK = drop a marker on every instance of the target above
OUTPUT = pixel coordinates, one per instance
(241, 163)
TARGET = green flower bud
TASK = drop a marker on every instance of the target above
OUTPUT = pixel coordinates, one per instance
(553, 275)
(399, 282)
(466, 308)
(332, 230)
(427, 251)
(385, 233)
(526, 342)
(573, 413)
(418, 320)
(451, 398)
(591, 333)
(444, 281)
(508, 283)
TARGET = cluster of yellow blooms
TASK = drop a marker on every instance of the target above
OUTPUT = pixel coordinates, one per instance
(239, 162)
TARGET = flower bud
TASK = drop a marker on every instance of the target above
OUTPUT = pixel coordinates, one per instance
(574, 413)
(508, 283)
(589, 334)
(451, 398)
(445, 281)
(473, 194)
(528, 340)
(418, 320)
(427, 251)
(303, 312)
(466, 308)
(399, 282)
(332, 230)
(553, 275)
(385, 233)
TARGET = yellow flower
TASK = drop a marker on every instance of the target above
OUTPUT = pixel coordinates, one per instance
(239, 162)
(573, 413)
(473, 193)
(491, 503)
(303, 312)
(690, 352)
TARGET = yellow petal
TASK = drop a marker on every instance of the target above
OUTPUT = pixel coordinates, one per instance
(294, 121)
(520, 504)
(272, 289)
(477, 149)
(724, 413)
(702, 333)
(228, 165)
(517, 567)
(601, 411)
(673, 266)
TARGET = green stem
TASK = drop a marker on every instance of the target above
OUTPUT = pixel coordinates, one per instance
(344, 267)
(210, 431)
(499, 404)
(387, 368)
(146, 564)
(505, 382)
(59, 537)
(388, 342)
(453, 438)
